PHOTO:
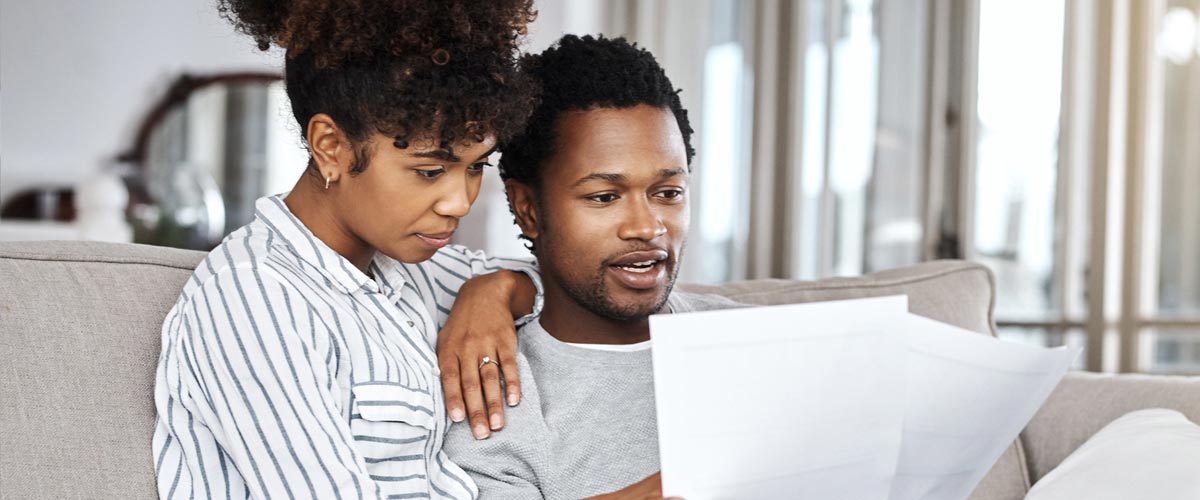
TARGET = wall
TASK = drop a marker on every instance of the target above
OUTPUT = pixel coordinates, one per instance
(77, 75)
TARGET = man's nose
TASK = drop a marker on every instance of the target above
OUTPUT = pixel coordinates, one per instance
(642, 222)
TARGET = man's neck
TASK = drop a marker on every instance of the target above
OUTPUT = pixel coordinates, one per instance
(568, 321)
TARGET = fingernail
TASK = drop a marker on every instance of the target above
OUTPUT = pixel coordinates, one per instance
(513, 399)
(496, 424)
(457, 415)
(481, 432)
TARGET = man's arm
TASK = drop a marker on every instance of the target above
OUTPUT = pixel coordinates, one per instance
(505, 466)
(646, 489)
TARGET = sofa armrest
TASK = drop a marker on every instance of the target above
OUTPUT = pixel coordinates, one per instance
(1085, 402)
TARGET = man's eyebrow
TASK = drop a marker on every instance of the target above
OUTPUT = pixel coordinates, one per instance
(667, 173)
(601, 176)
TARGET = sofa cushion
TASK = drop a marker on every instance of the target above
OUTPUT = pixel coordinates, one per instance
(1083, 403)
(72, 429)
(953, 292)
(1153, 453)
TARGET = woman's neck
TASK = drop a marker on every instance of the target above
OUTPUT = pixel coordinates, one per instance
(312, 204)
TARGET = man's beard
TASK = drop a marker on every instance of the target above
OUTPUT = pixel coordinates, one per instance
(594, 296)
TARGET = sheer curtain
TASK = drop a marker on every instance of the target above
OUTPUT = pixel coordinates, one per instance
(810, 119)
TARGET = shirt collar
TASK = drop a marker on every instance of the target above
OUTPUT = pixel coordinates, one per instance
(387, 273)
(280, 220)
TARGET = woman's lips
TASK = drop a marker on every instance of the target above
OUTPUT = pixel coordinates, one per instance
(435, 241)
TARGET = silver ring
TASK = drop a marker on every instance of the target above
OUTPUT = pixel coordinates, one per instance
(487, 360)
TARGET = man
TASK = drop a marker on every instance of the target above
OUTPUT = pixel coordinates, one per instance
(598, 184)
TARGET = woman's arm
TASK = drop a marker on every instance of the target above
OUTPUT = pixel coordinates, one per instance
(264, 389)
(476, 300)
(481, 325)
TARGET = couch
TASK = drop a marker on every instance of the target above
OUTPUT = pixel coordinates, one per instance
(79, 340)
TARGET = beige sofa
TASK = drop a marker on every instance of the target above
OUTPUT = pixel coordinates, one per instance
(79, 339)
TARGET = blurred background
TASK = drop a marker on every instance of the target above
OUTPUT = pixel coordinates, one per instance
(1056, 141)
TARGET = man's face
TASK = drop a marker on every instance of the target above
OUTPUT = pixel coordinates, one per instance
(612, 215)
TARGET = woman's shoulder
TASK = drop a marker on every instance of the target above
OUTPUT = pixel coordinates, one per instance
(249, 252)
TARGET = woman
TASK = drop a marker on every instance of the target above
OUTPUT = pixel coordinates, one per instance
(298, 360)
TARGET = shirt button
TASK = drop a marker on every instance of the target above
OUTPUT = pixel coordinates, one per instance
(410, 323)
(436, 371)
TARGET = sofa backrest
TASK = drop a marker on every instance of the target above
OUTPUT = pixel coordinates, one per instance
(80, 334)
(954, 292)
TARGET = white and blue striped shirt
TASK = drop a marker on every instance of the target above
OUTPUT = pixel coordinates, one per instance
(288, 373)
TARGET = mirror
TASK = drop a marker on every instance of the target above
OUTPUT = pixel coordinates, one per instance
(203, 155)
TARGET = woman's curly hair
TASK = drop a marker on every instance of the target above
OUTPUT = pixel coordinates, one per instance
(438, 69)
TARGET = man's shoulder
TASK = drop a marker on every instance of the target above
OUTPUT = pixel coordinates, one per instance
(524, 424)
(693, 302)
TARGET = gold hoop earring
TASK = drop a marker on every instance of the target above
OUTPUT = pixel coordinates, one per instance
(327, 179)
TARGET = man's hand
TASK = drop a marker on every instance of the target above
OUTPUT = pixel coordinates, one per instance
(646, 489)
(481, 326)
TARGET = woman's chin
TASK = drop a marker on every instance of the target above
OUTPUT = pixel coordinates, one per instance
(408, 254)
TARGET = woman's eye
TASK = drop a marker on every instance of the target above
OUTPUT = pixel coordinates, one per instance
(603, 198)
(431, 173)
(478, 167)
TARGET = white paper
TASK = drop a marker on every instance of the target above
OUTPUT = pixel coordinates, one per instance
(968, 397)
(797, 401)
(854, 400)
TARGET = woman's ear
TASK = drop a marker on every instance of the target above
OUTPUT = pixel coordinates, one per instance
(330, 148)
(523, 200)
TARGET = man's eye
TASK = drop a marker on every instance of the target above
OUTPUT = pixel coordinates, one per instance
(431, 173)
(603, 198)
(671, 194)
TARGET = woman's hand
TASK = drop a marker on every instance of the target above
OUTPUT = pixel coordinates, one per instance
(481, 326)
(646, 489)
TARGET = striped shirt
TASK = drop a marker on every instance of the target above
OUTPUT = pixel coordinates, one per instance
(288, 373)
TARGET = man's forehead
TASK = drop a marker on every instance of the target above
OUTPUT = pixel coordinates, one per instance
(635, 142)
(619, 121)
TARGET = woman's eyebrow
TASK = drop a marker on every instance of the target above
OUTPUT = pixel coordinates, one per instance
(488, 153)
(448, 155)
(438, 154)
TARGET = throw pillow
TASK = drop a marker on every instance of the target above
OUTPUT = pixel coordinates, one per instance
(1151, 454)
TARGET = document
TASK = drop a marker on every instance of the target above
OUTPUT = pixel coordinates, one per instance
(854, 400)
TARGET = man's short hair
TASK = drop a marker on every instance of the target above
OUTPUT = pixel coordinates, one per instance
(582, 73)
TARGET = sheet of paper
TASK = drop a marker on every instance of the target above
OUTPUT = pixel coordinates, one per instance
(968, 398)
(854, 400)
(797, 401)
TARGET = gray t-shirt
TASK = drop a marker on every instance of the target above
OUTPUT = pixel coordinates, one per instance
(586, 423)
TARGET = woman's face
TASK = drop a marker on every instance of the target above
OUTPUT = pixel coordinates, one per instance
(407, 202)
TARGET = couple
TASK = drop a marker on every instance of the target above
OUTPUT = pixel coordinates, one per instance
(299, 360)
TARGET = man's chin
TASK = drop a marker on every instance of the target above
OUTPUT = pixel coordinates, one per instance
(636, 306)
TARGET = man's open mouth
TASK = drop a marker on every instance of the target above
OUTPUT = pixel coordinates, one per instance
(639, 267)
(640, 270)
